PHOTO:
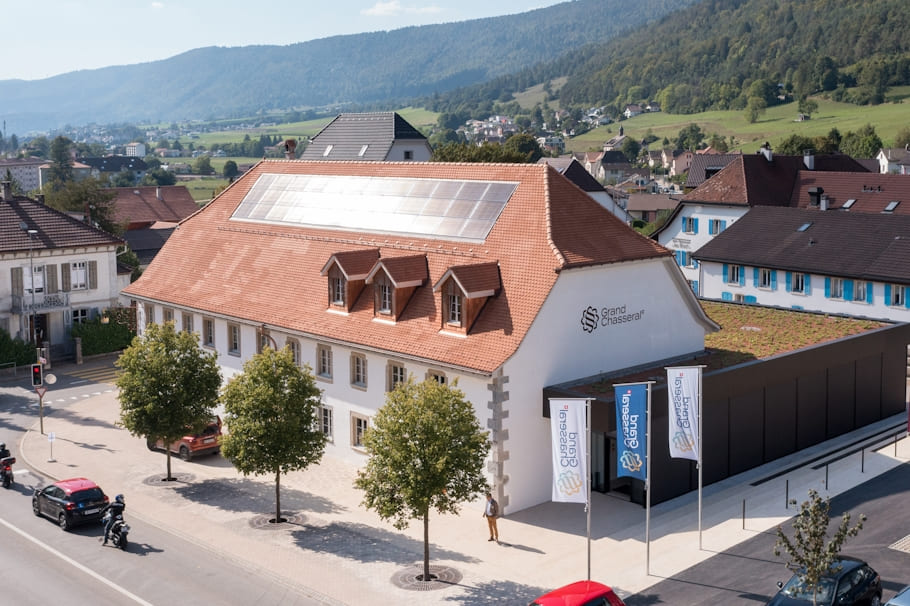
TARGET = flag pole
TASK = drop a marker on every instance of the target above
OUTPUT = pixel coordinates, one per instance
(648, 486)
(588, 471)
(700, 465)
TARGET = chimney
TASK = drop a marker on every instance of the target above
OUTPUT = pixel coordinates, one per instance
(815, 195)
(823, 203)
(809, 159)
(290, 146)
(39, 198)
(765, 150)
(158, 193)
(7, 191)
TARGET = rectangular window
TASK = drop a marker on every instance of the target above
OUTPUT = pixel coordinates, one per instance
(149, 314)
(717, 226)
(734, 274)
(234, 339)
(837, 288)
(688, 225)
(336, 295)
(78, 276)
(453, 309)
(358, 370)
(294, 346)
(359, 425)
(326, 422)
(437, 376)
(168, 315)
(408, 154)
(324, 361)
(208, 332)
(33, 278)
(385, 298)
(860, 289)
(896, 297)
(80, 316)
(764, 278)
(397, 374)
(188, 322)
(799, 283)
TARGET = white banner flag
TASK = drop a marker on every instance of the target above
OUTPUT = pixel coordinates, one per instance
(567, 425)
(683, 398)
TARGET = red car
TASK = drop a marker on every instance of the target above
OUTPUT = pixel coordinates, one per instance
(582, 593)
(208, 441)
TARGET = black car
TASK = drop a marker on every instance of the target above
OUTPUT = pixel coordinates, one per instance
(70, 502)
(851, 582)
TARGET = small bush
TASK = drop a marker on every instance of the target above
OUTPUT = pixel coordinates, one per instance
(98, 338)
(15, 350)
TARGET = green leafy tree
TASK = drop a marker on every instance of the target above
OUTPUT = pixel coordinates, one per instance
(468, 152)
(864, 143)
(795, 145)
(630, 149)
(755, 109)
(168, 387)
(807, 106)
(61, 169)
(525, 145)
(159, 176)
(270, 411)
(230, 169)
(88, 196)
(902, 139)
(690, 137)
(809, 553)
(426, 451)
(203, 166)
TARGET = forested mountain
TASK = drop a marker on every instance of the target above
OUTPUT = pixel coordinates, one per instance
(381, 67)
(718, 54)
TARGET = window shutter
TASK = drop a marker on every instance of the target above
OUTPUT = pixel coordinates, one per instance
(726, 296)
(907, 297)
(50, 279)
(755, 277)
(695, 225)
(827, 287)
(751, 299)
(65, 277)
(726, 273)
(869, 293)
(887, 294)
(16, 281)
(742, 275)
(723, 225)
(848, 290)
(807, 283)
(710, 228)
(93, 274)
(788, 281)
(695, 286)
(773, 279)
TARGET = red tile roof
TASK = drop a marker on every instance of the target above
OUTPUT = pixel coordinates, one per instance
(270, 273)
(872, 192)
(142, 206)
(55, 229)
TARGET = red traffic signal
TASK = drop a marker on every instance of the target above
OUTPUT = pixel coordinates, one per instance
(37, 375)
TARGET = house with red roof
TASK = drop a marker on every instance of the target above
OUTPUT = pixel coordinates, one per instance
(61, 271)
(504, 278)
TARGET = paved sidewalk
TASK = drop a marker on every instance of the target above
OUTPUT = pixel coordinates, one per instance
(339, 552)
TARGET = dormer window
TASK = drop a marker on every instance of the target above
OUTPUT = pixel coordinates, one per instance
(346, 272)
(385, 297)
(464, 290)
(394, 280)
(453, 305)
(336, 289)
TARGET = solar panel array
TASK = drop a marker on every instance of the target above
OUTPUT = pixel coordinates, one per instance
(433, 208)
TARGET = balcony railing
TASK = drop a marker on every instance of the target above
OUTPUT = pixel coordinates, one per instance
(43, 302)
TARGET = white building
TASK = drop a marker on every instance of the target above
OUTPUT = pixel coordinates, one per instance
(135, 149)
(507, 278)
(24, 171)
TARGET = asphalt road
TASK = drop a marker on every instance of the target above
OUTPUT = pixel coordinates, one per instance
(748, 574)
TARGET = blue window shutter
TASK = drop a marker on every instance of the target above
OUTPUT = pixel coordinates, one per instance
(827, 287)
(723, 225)
(869, 293)
(907, 297)
(755, 277)
(742, 275)
(695, 263)
(751, 299)
(848, 290)
(788, 278)
(726, 273)
(695, 286)
(796, 307)
(695, 225)
(773, 279)
(710, 228)
(726, 296)
(808, 284)
(887, 294)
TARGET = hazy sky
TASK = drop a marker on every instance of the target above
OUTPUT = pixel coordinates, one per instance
(44, 38)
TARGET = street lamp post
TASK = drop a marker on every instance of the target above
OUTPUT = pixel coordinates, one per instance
(31, 269)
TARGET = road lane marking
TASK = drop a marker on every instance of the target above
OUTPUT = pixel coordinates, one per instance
(76, 564)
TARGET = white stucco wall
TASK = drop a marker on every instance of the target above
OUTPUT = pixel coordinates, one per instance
(713, 286)
(419, 148)
(674, 238)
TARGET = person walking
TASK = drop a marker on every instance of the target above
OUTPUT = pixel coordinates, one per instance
(491, 512)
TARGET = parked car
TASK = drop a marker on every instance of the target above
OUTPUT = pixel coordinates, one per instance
(70, 502)
(902, 598)
(581, 593)
(207, 441)
(852, 582)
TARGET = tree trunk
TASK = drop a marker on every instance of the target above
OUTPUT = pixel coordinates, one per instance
(168, 452)
(426, 545)
(278, 497)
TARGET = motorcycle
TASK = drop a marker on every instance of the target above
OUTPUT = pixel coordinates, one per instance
(6, 470)
(119, 530)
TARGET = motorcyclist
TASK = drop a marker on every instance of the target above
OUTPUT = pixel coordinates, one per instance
(4, 451)
(114, 509)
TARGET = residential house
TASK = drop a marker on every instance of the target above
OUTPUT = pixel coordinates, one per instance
(847, 263)
(680, 161)
(653, 106)
(384, 136)
(705, 166)
(750, 180)
(894, 160)
(615, 143)
(105, 167)
(632, 110)
(504, 277)
(613, 167)
(571, 169)
(135, 149)
(852, 192)
(60, 272)
(649, 207)
(149, 215)
(80, 172)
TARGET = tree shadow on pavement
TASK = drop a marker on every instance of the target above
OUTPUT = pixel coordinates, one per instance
(368, 544)
(65, 414)
(496, 592)
(245, 495)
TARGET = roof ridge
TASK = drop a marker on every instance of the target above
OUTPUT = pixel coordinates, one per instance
(548, 210)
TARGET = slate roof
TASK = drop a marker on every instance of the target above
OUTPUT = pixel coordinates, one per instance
(705, 165)
(863, 246)
(650, 202)
(751, 180)
(271, 273)
(146, 242)
(871, 192)
(56, 230)
(143, 206)
(114, 164)
(575, 172)
(348, 133)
